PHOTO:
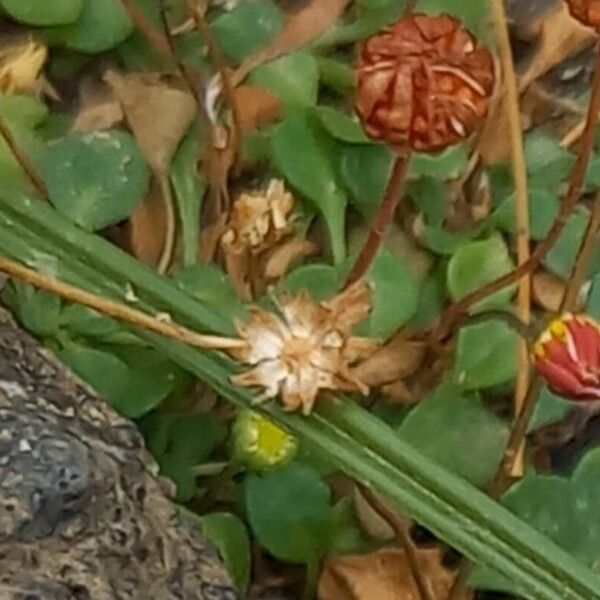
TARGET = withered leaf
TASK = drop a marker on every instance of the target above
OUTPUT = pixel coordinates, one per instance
(285, 255)
(399, 358)
(548, 291)
(99, 109)
(158, 113)
(300, 29)
(385, 575)
(20, 65)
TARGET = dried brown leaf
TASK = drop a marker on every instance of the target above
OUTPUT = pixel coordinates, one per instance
(158, 112)
(548, 291)
(146, 227)
(257, 107)
(99, 109)
(370, 520)
(300, 29)
(399, 358)
(285, 255)
(398, 392)
(385, 575)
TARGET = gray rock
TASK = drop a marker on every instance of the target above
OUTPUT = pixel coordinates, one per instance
(83, 513)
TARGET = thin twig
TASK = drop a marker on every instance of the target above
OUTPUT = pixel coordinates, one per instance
(576, 182)
(155, 37)
(582, 263)
(519, 172)
(403, 540)
(23, 160)
(221, 64)
(116, 309)
(384, 216)
(168, 248)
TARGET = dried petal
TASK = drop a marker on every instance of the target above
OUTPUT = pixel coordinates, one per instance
(424, 83)
(306, 350)
(586, 11)
(567, 355)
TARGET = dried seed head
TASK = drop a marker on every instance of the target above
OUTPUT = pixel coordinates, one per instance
(305, 350)
(260, 219)
(423, 83)
(586, 11)
(567, 356)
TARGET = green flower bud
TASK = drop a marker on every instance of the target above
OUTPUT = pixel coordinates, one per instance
(259, 444)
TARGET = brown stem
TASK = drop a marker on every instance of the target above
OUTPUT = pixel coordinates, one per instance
(116, 309)
(586, 250)
(574, 192)
(384, 216)
(23, 160)
(403, 540)
(156, 39)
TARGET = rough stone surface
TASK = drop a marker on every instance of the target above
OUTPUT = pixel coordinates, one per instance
(83, 514)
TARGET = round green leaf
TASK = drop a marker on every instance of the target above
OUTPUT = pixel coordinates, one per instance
(459, 432)
(312, 171)
(293, 78)
(340, 125)
(475, 264)
(102, 25)
(486, 355)
(247, 28)
(228, 533)
(395, 296)
(95, 179)
(289, 512)
(43, 12)
(444, 165)
(549, 408)
(321, 281)
(365, 169)
(548, 163)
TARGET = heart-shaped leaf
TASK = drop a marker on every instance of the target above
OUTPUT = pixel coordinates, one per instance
(48, 12)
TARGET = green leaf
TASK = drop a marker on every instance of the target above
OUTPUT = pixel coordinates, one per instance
(448, 164)
(293, 78)
(428, 196)
(346, 535)
(228, 533)
(179, 442)
(473, 14)
(289, 512)
(247, 28)
(477, 263)
(102, 25)
(548, 163)
(457, 431)
(543, 208)
(189, 189)
(563, 509)
(209, 284)
(81, 320)
(37, 310)
(485, 355)
(25, 110)
(321, 281)
(549, 408)
(46, 12)
(95, 179)
(312, 171)
(365, 170)
(132, 389)
(340, 125)
(561, 258)
(395, 296)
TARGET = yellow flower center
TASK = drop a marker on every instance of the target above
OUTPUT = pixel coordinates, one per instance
(272, 443)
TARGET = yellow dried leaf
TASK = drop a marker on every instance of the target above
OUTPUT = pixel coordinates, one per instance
(20, 66)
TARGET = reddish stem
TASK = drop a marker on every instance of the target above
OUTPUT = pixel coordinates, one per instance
(385, 215)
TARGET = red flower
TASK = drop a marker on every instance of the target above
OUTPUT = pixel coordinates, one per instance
(423, 82)
(586, 11)
(567, 356)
